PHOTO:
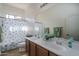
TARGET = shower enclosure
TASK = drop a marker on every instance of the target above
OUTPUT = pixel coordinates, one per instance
(14, 31)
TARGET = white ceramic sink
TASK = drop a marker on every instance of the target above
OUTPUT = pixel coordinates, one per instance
(63, 46)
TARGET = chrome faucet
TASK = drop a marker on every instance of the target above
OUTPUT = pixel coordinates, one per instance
(48, 36)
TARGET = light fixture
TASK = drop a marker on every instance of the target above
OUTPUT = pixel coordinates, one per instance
(25, 28)
(36, 28)
(18, 17)
(13, 29)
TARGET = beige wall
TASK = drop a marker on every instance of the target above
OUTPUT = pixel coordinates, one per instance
(58, 14)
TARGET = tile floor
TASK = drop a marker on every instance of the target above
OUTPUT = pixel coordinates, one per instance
(14, 52)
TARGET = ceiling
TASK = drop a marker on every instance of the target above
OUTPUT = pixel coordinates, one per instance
(24, 6)
(31, 8)
(35, 6)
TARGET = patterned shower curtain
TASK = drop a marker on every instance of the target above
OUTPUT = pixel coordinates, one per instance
(14, 31)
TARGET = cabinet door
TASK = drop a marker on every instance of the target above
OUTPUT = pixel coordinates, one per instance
(41, 51)
(52, 54)
(27, 46)
(32, 49)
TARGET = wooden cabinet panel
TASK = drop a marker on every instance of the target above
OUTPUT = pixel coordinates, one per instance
(27, 46)
(52, 54)
(32, 49)
(41, 51)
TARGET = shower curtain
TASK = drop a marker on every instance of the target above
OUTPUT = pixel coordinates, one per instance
(14, 31)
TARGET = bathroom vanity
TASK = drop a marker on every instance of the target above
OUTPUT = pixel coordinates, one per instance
(40, 47)
(34, 49)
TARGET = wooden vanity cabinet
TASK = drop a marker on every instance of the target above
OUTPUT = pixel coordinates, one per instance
(41, 51)
(33, 49)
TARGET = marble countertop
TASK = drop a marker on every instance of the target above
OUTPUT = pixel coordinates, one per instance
(61, 50)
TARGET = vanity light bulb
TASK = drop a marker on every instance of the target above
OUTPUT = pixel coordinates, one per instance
(25, 29)
(13, 29)
(36, 28)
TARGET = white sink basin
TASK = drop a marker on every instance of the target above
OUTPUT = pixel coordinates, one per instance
(63, 46)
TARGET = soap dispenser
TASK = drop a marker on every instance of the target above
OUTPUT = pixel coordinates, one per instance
(69, 40)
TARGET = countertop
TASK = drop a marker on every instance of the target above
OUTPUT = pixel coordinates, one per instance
(61, 50)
